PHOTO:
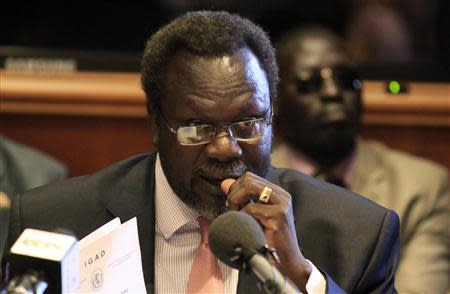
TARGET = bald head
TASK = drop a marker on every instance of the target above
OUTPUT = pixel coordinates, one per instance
(310, 46)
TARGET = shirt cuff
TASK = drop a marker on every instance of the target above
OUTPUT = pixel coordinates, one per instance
(316, 283)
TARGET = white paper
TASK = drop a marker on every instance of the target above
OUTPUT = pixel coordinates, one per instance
(100, 232)
(111, 261)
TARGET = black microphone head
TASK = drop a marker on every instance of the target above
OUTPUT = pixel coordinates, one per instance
(235, 229)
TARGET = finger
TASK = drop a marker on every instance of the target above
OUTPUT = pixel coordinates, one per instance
(279, 231)
(245, 190)
(226, 184)
(271, 217)
(256, 190)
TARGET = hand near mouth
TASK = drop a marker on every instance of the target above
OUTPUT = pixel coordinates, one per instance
(275, 217)
(226, 184)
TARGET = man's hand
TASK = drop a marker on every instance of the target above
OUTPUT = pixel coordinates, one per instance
(276, 218)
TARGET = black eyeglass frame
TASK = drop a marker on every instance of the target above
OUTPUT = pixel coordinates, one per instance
(226, 127)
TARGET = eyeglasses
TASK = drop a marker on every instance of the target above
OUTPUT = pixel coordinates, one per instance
(249, 130)
(310, 80)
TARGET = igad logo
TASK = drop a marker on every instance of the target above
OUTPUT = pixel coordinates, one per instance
(93, 259)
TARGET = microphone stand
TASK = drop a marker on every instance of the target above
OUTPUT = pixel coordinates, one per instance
(271, 280)
(31, 282)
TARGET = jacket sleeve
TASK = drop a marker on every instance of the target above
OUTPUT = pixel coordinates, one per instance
(425, 262)
(379, 274)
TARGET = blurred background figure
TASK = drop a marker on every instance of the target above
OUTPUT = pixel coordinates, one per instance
(22, 168)
(396, 31)
(377, 31)
(318, 116)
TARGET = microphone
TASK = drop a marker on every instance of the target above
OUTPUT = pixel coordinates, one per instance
(238, 240)
(43, 261)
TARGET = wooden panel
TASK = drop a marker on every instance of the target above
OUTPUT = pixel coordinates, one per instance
(89, 120)
(417, 122)
(425, 104)
(119, 94)
(85, 144)
(79, 93)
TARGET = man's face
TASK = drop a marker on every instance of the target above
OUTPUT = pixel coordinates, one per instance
(320, 102)
(216, 91)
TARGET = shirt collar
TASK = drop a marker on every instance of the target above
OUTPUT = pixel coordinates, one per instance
(343, 170)
(171, 213)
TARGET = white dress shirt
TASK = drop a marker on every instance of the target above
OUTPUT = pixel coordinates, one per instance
(177, 240)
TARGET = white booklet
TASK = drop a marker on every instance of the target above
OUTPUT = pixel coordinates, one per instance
(110, 260)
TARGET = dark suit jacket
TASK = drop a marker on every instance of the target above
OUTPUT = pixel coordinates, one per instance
(351, 239)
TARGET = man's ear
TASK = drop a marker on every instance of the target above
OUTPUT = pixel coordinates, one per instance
(155, 124)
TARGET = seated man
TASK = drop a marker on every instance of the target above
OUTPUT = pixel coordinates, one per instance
(319, 116)
(22, 168)
(210, 79)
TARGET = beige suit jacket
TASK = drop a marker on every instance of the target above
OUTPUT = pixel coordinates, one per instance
(418, 190)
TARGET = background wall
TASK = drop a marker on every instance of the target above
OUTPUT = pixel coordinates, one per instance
(69, 81)
(377, 30)
(89, 120)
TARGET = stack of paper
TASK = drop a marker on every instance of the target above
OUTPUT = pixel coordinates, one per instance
(110, 260)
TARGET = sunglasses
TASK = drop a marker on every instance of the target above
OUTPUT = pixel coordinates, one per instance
(310, 80)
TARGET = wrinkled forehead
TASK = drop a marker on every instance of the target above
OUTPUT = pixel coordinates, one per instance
(215, 77)
(230, 84)
(240, 62)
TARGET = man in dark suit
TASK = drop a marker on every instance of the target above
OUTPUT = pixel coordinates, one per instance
(210, 79)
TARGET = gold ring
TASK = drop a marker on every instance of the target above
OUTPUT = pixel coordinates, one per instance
(264, 197)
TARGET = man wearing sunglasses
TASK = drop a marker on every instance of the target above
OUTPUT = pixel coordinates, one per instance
(319, 116)
(210, 79)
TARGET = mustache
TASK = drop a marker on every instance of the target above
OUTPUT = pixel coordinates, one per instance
(221, 170)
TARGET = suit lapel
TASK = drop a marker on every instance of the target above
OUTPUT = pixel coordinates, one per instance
(133, 196)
